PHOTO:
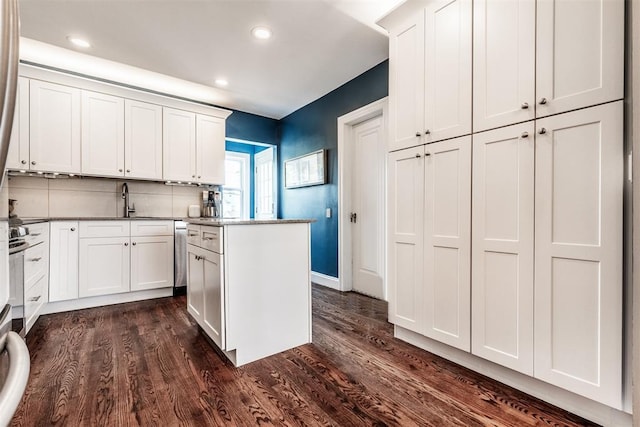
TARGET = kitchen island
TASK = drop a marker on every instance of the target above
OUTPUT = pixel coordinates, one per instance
(249, 284)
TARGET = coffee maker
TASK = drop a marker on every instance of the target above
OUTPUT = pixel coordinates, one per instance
(212, 202)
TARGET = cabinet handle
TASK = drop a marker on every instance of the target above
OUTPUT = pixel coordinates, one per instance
(193, 176)
(34, 298)
(542, 131)
(427, 154)
(73, 229)
(525, 134)
(418, 155)
(134, 243)
(427, 132)
(524, 105)
(543, 101)
(35, 234)
(128, 170)
(33, 163)
(418, 134)
(24, 162)
(36, 259)
(119, 170)
(209, 238)
(199, 177)
(126, 244)
(193, 235)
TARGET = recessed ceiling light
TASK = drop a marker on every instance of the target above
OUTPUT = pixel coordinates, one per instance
(261, 33)
(222, 82)
(78, 41)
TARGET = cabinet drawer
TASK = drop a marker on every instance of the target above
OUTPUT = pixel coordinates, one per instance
(193, 235)
(104, 229)
(211, 238)
(35, 298)
(38, 233)
(151, 228)
(35, 264)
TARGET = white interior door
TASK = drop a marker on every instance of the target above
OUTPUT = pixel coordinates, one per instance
(264, 193)
(368, 190)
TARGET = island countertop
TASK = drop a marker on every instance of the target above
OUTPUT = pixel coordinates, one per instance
(221, 222)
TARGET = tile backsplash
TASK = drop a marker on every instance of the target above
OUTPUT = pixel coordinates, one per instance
(39, 197)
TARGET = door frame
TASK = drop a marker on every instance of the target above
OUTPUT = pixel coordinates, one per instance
(345, 137)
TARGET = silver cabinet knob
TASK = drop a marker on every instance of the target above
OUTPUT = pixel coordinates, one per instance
(418, 155)
(524, 105)
(427, 132)
(24, 162)
(543, 101)
(542, 131)
(73, 229)
(126, 244)
(33, 163)
(525, 134)
(418, 134)
(134, 243)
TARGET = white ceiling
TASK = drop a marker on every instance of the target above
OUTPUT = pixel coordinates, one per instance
(317, 45)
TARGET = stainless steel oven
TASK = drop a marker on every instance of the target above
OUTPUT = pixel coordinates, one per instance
(17, 246)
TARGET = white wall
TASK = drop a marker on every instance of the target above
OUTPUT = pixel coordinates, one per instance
(97, 197)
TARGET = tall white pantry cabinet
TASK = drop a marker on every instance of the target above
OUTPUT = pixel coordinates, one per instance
(511, 248)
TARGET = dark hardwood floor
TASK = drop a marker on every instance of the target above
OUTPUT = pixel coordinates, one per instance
(146, 363)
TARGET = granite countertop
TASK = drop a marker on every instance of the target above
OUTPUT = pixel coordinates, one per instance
(197, 221)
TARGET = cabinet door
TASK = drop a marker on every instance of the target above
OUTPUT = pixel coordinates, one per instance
(151, 262)
(102, 134)
(406, 83)
(142, 140)
(54, 127)
(195, 283)
(447, 69)
(406, 234)
(211, 145)
(578, 252)
(502, 248)
(580, 54)
(213, 318)
(63, 263)
(503, 62)
(18, 156)
(179, 145)
(447, 241)
(104, 266)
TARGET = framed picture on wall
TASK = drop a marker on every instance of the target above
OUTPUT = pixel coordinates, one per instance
(307, 170)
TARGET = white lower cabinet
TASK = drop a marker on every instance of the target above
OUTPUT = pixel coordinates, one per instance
(205, 297)
(429, 216)
(63, 262)
(36, 273)
(104, 266)
(502, 249)
(151, 262)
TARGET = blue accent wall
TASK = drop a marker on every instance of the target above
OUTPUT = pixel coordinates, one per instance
(251, 127)
(311, 128)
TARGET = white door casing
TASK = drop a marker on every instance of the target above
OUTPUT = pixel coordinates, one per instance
(578, 252)
(367, 194)
(447, 241)
(502, 246)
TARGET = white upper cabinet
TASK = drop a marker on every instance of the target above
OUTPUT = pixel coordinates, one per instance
(502, 246)
(18, 156)
(406, 83)
(54, 127)
(447, 241)
(503, 62)
(102, 134)
(179, 145)
(447, 70)
(406, 238)
(430, 75)
(142, 140)
(580, 54)
(210, 136)
(578, 252)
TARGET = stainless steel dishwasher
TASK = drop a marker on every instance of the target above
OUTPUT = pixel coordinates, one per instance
(180, 258)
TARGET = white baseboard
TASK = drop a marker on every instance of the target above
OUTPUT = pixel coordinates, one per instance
(564, 399)
(324, 280)
(91, 302)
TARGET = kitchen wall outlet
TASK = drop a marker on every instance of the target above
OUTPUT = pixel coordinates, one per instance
(327, 213)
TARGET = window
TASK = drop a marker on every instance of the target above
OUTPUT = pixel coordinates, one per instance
(235, 196)
(264, 184)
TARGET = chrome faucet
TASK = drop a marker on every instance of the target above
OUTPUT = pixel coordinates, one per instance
(125, 195)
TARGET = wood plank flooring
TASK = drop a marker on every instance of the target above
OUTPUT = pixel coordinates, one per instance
(146, 363)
